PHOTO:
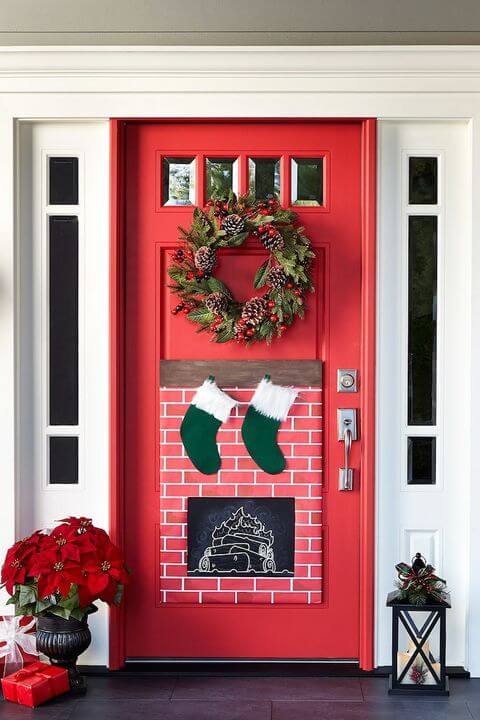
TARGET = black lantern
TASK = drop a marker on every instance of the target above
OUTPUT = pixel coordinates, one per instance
(418, 632)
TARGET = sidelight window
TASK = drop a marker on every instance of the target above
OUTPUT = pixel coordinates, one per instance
(423, 215)
(62, 322)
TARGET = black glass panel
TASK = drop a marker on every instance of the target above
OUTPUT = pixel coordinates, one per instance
(63, 460)
(63, 180)
(422, 320)
(63, 325)
(264, 178)
(422, 181)
(307, 181)
(421, 460)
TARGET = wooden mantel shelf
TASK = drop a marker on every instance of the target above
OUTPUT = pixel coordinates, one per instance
(240, 373)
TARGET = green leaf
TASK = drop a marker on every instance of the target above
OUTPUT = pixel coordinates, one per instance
(224, 336)
(235, 240)
(215, 285)
(261, 274)
(201, 315)
(118, 595)
(60, 611)
(41, 606)
(78, 613)
(27, 595)
(11, 601)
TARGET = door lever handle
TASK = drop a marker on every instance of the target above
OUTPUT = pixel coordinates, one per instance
(347, 432)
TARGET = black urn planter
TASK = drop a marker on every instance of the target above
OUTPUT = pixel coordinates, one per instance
(62, 641)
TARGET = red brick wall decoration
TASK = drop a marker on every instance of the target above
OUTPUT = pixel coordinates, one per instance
(300, 438)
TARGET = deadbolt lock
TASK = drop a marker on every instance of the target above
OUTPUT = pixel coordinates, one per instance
(347, 380)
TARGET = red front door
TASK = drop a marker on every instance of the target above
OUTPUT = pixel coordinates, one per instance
(317, 168)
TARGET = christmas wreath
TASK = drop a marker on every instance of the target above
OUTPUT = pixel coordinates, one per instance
(284, 275)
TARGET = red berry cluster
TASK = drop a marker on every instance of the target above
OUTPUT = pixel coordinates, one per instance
(220, 207)
(197, 275)
(183, 307)
(180, 255)
(243, 331)
(274, 316)
(215, 326)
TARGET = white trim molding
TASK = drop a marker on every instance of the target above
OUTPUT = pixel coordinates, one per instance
(313, 69)
(75, 83)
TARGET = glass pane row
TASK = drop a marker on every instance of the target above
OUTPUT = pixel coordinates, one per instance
(221, 174)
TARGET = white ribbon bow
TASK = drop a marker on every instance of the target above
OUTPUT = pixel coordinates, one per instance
(16, 638)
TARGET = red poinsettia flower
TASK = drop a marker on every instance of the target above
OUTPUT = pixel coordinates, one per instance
(55, 575)
(105, 571)
(16, 567)
(69, 543)
(83, 524)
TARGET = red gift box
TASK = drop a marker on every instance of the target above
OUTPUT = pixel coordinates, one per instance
(36, 684)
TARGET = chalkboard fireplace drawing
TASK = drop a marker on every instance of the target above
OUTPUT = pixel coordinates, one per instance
(241, 536)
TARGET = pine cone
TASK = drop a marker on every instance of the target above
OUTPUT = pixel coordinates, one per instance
(217, 303)
(205, 259)
(254, 311)
(233, 224)
(276, 278)
(272, 241)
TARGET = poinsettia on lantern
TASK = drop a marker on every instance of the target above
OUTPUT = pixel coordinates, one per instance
(418, 630)
(57, 576)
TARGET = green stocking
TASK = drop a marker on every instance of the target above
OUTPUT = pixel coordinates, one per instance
(210, 407)
(268, 408)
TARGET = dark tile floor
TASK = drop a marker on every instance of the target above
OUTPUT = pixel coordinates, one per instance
(250, 698)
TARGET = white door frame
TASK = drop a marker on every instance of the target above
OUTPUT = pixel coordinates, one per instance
(102, 82)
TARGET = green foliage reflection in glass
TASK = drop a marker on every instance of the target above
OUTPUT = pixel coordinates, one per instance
(264, 178)
(221, 177)
(307, 181)
(178, 187)
(422, 320)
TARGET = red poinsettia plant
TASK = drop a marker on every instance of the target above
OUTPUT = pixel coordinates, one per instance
(63, 572)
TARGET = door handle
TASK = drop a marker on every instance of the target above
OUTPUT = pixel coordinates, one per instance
(347, 433)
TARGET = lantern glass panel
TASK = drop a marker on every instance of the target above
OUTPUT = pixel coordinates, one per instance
(418, 654)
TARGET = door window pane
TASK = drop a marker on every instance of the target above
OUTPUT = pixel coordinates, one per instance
(63, 181)
(264, 178)
(307, 181)
(421, 460)
(422, 181)
(63, 320)
(178, 183)
(422, 320)
(222, 176)
(63, 457)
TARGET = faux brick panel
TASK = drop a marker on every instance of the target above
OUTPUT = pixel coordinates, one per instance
(218, 597)
(200, 584)
(300, 438)
(254, 597)
(274, 584)
(236, 584)
(182, 597)
(289, 597)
